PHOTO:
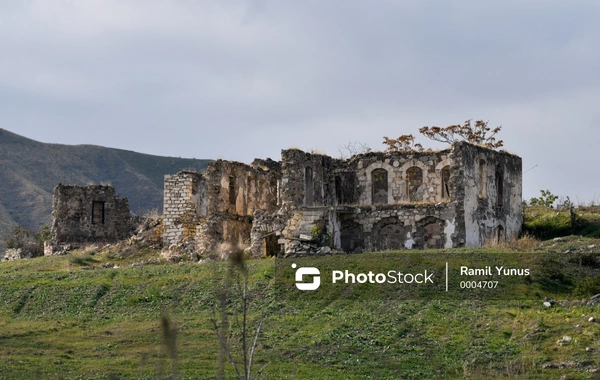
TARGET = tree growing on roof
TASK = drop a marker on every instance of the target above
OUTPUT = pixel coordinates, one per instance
(478, 133)
(403, 143)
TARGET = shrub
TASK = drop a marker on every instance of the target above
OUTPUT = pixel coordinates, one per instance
(547, 199)
(19, 238)
(23, 238)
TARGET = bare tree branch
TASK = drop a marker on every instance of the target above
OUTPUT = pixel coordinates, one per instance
(236, 280)
(225, 347)
(352, 148)
(252, 349)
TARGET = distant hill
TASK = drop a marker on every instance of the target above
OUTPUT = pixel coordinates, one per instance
(29, 171)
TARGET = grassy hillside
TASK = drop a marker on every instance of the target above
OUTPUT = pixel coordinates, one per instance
(546, 223)
(31, 170)
(97, 315)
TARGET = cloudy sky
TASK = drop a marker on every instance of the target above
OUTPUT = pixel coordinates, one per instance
(243, 79)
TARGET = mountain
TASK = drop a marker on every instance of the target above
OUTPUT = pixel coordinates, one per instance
(29, 171)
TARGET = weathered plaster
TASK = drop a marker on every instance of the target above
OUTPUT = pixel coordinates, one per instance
(277, 205)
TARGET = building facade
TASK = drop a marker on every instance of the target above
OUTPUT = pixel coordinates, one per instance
(466, 195)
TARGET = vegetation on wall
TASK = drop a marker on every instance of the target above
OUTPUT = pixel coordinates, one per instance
(477, 133)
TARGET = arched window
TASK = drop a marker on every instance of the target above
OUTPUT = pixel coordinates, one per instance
(446, 182)
(499, 186)
(308, 186)
(414, 180)
(379, 178)
(482, 178)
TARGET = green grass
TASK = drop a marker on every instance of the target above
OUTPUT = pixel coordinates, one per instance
(70, 318)
(547, 223)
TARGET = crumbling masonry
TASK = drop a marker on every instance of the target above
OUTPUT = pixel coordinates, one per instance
(466, 195)
(87, 214)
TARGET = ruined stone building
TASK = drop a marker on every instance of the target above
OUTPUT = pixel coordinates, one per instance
(465, 195)
(87, 214)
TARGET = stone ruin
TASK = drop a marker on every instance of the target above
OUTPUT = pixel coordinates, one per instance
(87, 214)
(466, 195)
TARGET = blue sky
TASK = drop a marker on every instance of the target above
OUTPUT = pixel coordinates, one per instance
(243, 79)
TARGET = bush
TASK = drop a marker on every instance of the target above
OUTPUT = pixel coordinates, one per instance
(23, 238)
(547, 199)
(19, 238)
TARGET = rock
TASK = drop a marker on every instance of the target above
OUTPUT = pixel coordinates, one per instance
(567, 364)
(565, 340)
(594, 299)
(19, 254)
(324, 250)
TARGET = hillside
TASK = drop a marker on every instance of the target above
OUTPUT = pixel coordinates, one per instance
(29, 171)
(97, 315)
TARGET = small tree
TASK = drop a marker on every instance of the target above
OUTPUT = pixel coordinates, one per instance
(547, 199)
(479, 133)
(18, 238)
(353, 148)
(23, 238)
(230, 290)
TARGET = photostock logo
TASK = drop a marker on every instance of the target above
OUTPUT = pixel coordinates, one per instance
(314, 285)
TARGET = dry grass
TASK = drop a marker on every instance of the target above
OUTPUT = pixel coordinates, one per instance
(524, 243)
(152, 214)
(318, 151)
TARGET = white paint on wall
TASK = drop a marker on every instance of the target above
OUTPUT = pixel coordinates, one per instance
(448, 231)
(409, 242)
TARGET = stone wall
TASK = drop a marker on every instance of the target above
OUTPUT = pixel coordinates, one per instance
(396, 177)
(239, 189)
(306, 179)
(267, 232)
(12, 254)
(185, 202)
(217, 206)
(372, 201)
(490, 199)
(314, 180)
(85, 214)
(417, 226)
(373, 228)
